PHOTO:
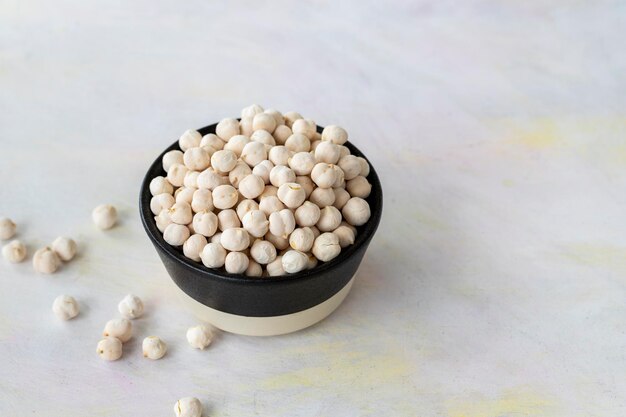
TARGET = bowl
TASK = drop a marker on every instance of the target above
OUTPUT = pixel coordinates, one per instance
(261, 306)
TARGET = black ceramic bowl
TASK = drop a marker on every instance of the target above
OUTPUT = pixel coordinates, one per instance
(261, 306)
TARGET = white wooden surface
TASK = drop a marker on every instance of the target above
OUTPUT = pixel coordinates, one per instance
(496, 285)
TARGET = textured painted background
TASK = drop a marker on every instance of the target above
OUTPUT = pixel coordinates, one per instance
(496, 285)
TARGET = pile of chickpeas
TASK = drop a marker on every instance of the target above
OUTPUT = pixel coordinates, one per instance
(264, 196)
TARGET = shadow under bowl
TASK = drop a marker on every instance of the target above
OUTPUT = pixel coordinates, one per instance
(261, 306)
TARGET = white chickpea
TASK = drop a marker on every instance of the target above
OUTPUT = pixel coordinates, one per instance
(264, 137)
(356, 211)
(176, 174)
(238, 173)
(202, 200)
(275, 268)
(314, 145)
(163, 220)
(341, 197)
(14, 251)
(188, 407)
(279, 155)
(245, 126)
(160, 185)
(190, 139)
(184, 195)
(209, 179)
(350, 165)
(294, 261)
(104, 216)
(343, 151)
(236, 262)
(326, 247)
(191, 179)
(213, 255)
(153, 347)
(335, 134)
(291, 194)
(46, 261)
(307, 214)
(269, 191)
(251, 111)
(306, 127)
(263, 251)
(131, 307)
(216, 238)
(316, 231)
(330, 219)
(322, 197)
(279, 242)
(312, 261)
(251, 186)
(302, 163)
(290, 117)
(255, 222)
(121, 329)
(193, 246)
(205, 223)
(298, 143)
(180, 213)
(227, 219)
(281, 174)
(196, 159)
(302, 239)
(282, 223)
(324, 175)
(270, 204)
(236, 144)
(171, 158)
(359, 187)
(213, 141)
(235, 239)
(65, 307)
(327, 152)
(262, 169)
(224, 161)
(345, 235)
(161, 202)
(64, 247)
(199, 337)
(306, 183)
(254, 270)
(278, 116)
(226, 129)
(340, 179)
(246, 206)
(263, 121)
(254, 153)
(225, 197)
(281, 134)
(109, 348)
(176, 234)
(365, 166)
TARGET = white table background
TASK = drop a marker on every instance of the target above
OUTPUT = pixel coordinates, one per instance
(496, 285)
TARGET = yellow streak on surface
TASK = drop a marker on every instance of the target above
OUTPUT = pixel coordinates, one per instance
(511, 403)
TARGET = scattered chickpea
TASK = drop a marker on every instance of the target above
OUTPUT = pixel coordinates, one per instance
(121, 329)
(65, 307)
(199, 337)
(153, 347)
(104, 216)
(109, 348)
(14, 251)
(131, 307)
(188, 407)
(65, 248)
(46, 261)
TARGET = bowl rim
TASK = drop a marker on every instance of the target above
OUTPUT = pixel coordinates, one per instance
(366, 231)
